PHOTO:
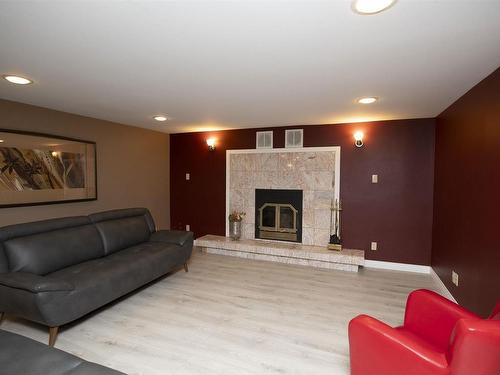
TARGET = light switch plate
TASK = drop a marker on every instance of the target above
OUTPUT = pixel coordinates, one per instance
(374, 178)
(188, 176)
(454, 278)
(188, 227)
(374, 246)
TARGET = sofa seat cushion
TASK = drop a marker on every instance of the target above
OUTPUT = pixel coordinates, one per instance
(21, 355)
(34, 283)
(101, 281)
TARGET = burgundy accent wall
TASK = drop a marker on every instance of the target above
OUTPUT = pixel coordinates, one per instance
(466, 234)
(396, 212)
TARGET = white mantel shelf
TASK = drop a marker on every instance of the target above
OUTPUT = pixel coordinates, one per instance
(283, 252)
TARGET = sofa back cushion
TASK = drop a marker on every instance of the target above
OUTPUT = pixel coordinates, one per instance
(46, 246)
(4, 265)
(121, 229)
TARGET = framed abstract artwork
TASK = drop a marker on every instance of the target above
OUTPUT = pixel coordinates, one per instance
(38, 168)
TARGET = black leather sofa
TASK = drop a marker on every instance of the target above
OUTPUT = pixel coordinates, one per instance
(55, 271)
(22, 356)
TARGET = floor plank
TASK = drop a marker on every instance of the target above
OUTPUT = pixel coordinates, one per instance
(236, 316)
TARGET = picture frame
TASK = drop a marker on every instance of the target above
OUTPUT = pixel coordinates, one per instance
(41, 169)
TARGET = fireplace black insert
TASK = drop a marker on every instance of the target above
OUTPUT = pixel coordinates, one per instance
(278, 214)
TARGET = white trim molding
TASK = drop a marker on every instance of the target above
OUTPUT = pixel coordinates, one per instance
(397, 266)
(443, 289)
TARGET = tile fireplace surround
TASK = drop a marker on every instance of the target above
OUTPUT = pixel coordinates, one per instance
(315, 170)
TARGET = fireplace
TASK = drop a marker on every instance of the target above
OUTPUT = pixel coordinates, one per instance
(278, 214)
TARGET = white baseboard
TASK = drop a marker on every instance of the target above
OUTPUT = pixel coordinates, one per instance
(397, 266)
(444, 290)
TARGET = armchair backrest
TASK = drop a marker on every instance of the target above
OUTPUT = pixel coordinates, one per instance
(496, 312)
(475, 347)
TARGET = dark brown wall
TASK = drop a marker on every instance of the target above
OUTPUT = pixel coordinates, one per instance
(396, 212)
(466, 235)
(132, 163)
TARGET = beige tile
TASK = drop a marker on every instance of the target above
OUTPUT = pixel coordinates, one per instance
(314, 180)
(321, 237)
(241, 180)
(322, 199)
(325, 161)
(265, 180)
(322, 218)
(236, 200)
(248, 230)
(308, 236)
(308, 217)
(267, 162)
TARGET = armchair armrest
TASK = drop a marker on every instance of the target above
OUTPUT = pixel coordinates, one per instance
(376, 348)
(34, 283)
(475, 345)
(433, 317)
(176, 237)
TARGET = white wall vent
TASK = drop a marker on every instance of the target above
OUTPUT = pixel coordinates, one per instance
(264, 139)
(294, 138)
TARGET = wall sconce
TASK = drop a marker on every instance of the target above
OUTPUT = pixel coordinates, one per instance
(358, 138)
(211, 144)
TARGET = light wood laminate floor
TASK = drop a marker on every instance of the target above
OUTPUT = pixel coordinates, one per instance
(236, 316)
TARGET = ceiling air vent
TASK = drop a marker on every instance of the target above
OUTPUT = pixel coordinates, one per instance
(264, 139)
(294, 138)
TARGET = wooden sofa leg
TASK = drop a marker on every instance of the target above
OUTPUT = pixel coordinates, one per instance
(53, 335)
(186, 267)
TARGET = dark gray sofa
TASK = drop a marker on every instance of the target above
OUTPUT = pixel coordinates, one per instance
(55, 271)
(22, 356)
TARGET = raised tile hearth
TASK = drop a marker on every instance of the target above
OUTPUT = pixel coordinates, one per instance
(290, 253)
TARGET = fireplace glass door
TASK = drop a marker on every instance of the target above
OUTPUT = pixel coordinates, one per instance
(278, 214)
(278, 221)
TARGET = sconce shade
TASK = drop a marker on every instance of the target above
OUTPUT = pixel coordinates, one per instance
(358, 138)
(211, 144)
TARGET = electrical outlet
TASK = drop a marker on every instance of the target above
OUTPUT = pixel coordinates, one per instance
(454, 278)
(188, 227)
(374, 246)
(188, 176)
(374, 178)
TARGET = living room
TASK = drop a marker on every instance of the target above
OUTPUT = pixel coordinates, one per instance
(250, 187)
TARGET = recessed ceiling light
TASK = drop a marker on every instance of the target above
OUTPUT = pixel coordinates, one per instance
(17, 80)
(1, 141)
(160, 118)
(371, 6)
(368, 100)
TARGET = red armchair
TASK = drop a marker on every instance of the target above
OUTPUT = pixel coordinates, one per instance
(438, 337)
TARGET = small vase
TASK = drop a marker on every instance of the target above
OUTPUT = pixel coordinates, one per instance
(235, 230)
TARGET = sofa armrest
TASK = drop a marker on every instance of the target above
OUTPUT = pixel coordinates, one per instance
(176, 237)
(376, 348)
(433, 317)
(34, 283)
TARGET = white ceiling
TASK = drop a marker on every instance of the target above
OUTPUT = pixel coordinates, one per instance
(216, 65)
